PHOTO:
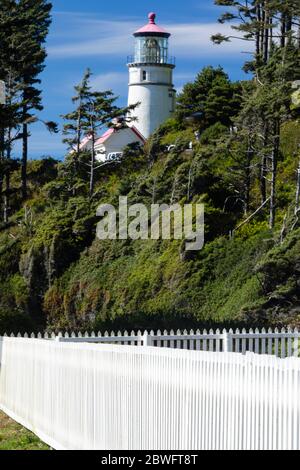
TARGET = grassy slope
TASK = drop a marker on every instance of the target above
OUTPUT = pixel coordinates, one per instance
(52, 269)
(15, 437)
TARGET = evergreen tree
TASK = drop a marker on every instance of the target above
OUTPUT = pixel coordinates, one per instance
(34, 16)
(262, 22)
(23, 29)
(211, 96)
(274, 26)
(73, 129)
(95, 110)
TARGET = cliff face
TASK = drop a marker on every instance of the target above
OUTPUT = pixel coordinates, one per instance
(53, 271)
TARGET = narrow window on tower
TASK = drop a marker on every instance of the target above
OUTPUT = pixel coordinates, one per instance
(144, 75)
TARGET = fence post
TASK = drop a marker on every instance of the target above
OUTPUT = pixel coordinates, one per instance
(146, 339)
(227, 341)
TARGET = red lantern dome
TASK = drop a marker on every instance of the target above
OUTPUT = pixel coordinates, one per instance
(152, 29)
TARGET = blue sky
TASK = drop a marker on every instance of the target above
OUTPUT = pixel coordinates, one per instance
(98, 34)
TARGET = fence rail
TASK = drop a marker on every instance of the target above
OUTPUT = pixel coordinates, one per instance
(107, 397)
(281, 343)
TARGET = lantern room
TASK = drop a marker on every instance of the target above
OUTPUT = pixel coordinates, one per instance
(151, 44)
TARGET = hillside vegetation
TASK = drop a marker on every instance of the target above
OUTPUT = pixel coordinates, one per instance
(55, 273)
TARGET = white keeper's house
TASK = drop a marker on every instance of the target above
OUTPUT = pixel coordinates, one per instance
(150, 84)
(111, 144)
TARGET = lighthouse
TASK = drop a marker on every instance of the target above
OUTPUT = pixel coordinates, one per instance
(151, 78)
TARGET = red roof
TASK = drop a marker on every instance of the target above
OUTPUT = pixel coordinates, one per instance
(105, 136)
(134, 129)
(85, 141)
(152, 27)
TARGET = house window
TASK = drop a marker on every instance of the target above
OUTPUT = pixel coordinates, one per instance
(144, 75)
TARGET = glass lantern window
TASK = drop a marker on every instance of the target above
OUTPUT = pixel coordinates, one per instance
(151, 50)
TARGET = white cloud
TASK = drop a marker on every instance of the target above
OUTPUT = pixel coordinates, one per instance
(92, 37)
(195, 40)
(96, 47)
(115, 81)
(85, 36)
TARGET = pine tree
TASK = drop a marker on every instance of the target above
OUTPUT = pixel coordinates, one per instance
(73, 129)
(23, 29)
(95, 110)
(35, 19)
(262, 22)
(274, 27)
(211, 96)
(10, 116)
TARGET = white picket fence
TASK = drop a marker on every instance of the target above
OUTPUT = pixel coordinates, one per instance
(281, 343)
(111, 397)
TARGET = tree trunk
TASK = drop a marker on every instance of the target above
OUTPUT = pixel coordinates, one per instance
(263, 185)
(9, 145)
(78, 135)
(271, 35)
(248, 177)
(24, 157)
(6, 207)
(297, 205)
(1, 189)
(283, 30)
(263, 30)
(258, 32)
(263, 167)
(92, 177)
(2, 142)
(274, 161)
(266, 34)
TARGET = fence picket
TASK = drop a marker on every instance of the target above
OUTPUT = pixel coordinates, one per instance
(270, 341)
(256, 342)
(263, 342)
(198, 342)
(165, 342)
(172, 342)
(289, 344)
(250, 347)
(237, 341)
(218, 341)
(192, 341)
(296, 343)
(158, 339)
(205, 341)
(283, 340)
(244, 342)
(178, 342)
(211, 341)
(185, 342)
(125, 334)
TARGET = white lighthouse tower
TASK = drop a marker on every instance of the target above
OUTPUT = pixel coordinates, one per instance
(151, 78)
